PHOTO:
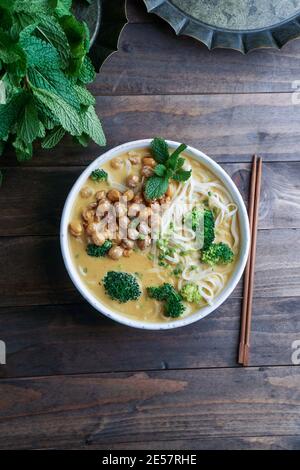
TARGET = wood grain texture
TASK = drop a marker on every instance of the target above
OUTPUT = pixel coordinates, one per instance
(42, 279)
(37, 208)
(67, 339)
(207, 443)
(138, 407)
(229, 128)
(153, 60)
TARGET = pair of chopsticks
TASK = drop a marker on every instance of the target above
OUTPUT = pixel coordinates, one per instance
(244, 347)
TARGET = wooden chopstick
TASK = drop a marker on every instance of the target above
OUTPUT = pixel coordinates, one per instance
(250, 268)
(247, 270)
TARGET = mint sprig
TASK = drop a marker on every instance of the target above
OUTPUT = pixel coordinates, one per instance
(168, 167)
(44, 70)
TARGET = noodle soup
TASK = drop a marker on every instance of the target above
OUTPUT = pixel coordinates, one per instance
(186, 239)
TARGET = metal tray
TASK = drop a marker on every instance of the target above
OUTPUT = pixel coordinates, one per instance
(243, 25)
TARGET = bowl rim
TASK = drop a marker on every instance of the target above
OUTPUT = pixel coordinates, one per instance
(199, 314)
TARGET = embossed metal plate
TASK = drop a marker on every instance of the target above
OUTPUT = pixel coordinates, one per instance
(237, 24)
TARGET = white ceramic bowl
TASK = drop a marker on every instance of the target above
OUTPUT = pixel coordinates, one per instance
(203, 312)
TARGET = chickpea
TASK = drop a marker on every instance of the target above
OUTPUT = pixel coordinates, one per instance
(129, 244)
(169, 191)
(75, 228)
(134, 209)
(113, 195)
(120, 209)
(118, 240)
(102, 208)
(108, 234)
(98, 238)
(116, 252)
(127, 253)
(144, 228)
(138, 198)
(134, 160)
(124, 222)
(132, 181)
(143, 244)
(88, 214)
(164, 200)
(133, 234)
(116, 163)
(86, 192)
(91, 228)
(149, 161)
(100, 195)
(92, 205)
(145, 213)
(147, 171)
(129, 195)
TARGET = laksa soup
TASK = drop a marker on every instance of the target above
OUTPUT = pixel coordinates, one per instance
(154, 234)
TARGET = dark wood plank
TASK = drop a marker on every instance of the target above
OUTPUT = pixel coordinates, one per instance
(32, 198)
(153, 60)
(206, 443)
(34, 273)
(230, 128)
(137, 12)
(114, 408)
(66, 339)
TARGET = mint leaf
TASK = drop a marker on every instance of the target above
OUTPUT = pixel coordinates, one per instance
(23, 150)
(84, 96)
(9, 113)
(160, 169)
(155, 187)
(92, 126)
(63, 7)
(160, 150)
(53, 138)
(67, 116)
(182, 175)
(87, 72)
(77, 39)
(83, 139)
(29, 126)
(50, 30)
(173, 160)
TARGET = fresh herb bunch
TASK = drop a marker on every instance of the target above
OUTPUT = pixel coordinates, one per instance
(169, 166)
(44, 70)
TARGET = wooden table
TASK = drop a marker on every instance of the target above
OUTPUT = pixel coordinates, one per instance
(74, 379)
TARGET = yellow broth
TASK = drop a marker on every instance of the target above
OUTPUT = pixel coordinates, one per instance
(92, 269)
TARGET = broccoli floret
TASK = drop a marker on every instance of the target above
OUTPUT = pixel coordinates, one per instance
(99, 175)
(173, 308)
(190, 293)
(203, 216)
(209, 228)
(121, 286)
(99, 251)
(218, 253)
(173, 301)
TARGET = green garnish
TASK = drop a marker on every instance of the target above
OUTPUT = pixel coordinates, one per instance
(190, 293)
(173, 306)
(218, 253)
(168, 167)
(44, 70)
(200, 218)
(121, 286)
(99, 175)
(99, 251)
